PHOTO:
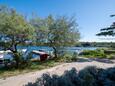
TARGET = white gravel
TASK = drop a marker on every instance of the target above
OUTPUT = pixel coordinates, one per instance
(23, 79)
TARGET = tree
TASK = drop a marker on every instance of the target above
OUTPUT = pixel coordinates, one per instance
(63, 32)
(40, 29)
(59, 32)
(109, 31)
(14, 30)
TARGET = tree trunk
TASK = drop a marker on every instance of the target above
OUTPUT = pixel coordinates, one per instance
(16, 57)
(15, 54)
(55, 52)
(15, 47)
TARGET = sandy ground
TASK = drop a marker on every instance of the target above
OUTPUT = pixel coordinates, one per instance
(23, 79)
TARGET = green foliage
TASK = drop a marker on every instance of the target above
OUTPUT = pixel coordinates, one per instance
(42, 65)
(26, 66)
(67, 57)
(14, 30)
(109, 51)
(94, 53)
(109, 31)
(63, 31)
(41, 30)
(15, 27)
(20, 61)
(89, 76)
(56, 32)
(111, 56)
(74, 56)
(98, 53)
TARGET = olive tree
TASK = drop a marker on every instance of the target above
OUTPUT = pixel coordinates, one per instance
(59, 32)
(40, 29)
(14, 30)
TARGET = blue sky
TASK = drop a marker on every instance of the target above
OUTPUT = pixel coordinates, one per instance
(91, 15)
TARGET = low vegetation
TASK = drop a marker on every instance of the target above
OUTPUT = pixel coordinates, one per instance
(89, 76)
(93, 53)
(6, 72)
(68, 57)
(29, 66)
(98, 53)
(96, 44)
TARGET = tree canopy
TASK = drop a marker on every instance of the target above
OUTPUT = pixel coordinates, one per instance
(108, 31)
(14, 30)
(57, 31)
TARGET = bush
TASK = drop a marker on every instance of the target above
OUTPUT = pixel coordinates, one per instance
(109, 51)
(69, 78)
(111, 56)
(107, 77)
(19, 61)
(67, 57)
(75, 56)
(89, 76)
(94, 53)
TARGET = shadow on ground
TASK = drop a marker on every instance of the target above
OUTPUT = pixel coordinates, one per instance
(82, 59)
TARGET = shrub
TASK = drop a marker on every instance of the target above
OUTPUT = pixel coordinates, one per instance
(19, 59)
(67, 57)
(23, 61)
(89, 76)
(70, 78)
(93, 53)
(109, 51)
(75, 56)
(111, 56)
(107, 77)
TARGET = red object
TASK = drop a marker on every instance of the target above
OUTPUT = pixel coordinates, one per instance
(43, 57)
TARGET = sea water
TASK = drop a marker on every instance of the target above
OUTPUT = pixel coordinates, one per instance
(28, 49)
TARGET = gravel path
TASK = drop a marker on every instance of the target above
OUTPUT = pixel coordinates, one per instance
(23, 79)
